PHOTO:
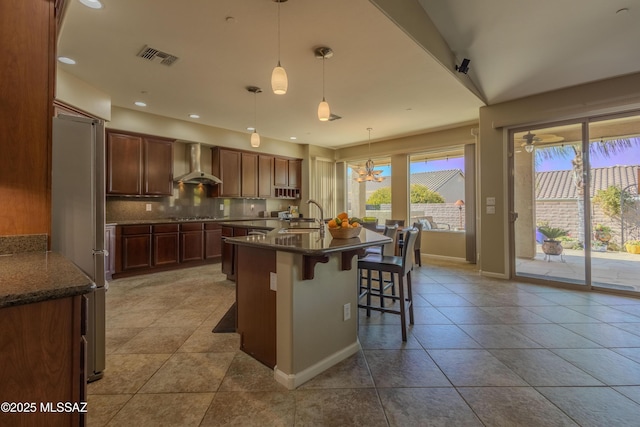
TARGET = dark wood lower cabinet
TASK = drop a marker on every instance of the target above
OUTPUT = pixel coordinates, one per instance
(191, 242)
(166, 244)
(136, 247)
(147, 248)
(256, 303)
(212, 241)
(228, 251)
(43, 349)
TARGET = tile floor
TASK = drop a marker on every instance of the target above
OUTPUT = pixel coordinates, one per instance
(482, 352)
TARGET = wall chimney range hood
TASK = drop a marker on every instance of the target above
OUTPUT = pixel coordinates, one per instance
(195, 174)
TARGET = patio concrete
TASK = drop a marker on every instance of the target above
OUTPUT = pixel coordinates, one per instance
(609, 270)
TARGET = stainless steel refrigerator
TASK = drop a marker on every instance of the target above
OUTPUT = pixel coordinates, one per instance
(78, 216)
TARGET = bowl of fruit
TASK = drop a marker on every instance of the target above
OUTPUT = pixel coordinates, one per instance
(343, 227)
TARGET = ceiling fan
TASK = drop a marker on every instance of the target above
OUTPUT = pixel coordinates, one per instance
(529, 139)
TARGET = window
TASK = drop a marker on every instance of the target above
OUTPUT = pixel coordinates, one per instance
(437, 188)
(369, 198)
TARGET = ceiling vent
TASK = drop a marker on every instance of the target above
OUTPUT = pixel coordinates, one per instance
(154, 55)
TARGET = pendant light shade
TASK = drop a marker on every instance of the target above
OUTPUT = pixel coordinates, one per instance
(279, 80)
(255, 136)
(255, 139)
(324, 112)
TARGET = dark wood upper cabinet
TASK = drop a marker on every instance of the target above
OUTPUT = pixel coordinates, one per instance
(226, 165)
(158, 167)
(295, 173)
(280, 172)
(124, 164)
(139, 165)
(265, 176)
(249, 184)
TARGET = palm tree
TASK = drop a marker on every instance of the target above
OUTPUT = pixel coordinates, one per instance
(603, 148)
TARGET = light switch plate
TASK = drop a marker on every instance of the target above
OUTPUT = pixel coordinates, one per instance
(148, 207)
(491, 201)
(491, 210)
(273, 281)
(346, 312)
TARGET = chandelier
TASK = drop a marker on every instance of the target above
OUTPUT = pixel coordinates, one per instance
(369, 173)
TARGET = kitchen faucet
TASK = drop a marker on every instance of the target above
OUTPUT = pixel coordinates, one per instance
(321, 220)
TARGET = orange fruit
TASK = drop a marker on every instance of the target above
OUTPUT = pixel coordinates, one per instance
(343, 215)
(332, 224)
(355, 224)
(345, 224)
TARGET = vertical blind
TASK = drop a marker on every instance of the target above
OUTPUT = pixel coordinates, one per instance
(323, 191)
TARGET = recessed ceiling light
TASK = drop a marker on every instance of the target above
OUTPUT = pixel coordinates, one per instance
(140, 104)
(250, 129)
(293, 138)
(194, 116)
(66, 60)
(93, 4)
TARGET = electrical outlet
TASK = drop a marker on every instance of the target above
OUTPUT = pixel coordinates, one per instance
(221, 206)
(252, 207)
(148, 207)
(347, 312)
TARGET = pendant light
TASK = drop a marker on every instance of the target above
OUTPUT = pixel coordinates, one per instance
(279, 81)
(369, 173)
(324, 112)
(255, 136)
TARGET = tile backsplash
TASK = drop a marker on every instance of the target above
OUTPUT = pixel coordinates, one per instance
(23, 243)
(187, 200)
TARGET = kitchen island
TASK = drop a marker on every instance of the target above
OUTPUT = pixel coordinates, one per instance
(297, 299)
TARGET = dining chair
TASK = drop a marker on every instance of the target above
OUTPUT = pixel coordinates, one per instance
(398, 222)
(416, 251)
(373, 226)
(388, 248)
(394, 265)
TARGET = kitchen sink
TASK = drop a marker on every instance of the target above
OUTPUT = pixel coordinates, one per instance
(299, 230)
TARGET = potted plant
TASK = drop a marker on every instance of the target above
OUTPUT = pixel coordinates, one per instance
(569, 242)
(602, 233)
(632, 246)
(551, 244)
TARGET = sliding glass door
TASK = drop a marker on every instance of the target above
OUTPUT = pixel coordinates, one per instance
(575, 202)
(614, 148)
(548, 183)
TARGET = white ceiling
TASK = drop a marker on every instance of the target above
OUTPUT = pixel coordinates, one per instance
(379, 77)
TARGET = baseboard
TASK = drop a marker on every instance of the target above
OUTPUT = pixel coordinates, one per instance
(291, 381)
(494, 275)
(443, 258)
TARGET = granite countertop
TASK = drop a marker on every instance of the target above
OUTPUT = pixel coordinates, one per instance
(171, 220)
(309, 243)
(39, 276)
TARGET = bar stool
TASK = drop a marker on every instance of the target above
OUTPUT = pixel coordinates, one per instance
(400, 265)
(387, 249)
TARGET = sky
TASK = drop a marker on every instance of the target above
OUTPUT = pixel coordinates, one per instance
(629, 158)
